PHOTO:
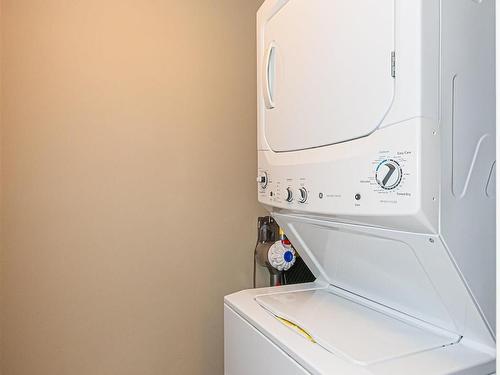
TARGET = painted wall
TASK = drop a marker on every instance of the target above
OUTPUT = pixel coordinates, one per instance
(1, 184)
(128, 173)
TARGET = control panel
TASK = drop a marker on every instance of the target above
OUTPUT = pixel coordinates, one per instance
(356, 178)
(386, 180)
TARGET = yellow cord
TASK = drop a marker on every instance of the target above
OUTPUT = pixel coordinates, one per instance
(296, 328)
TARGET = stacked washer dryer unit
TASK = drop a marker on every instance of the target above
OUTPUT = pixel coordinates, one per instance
(376, 148)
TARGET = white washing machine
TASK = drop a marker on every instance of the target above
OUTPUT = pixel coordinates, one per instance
(376, 148)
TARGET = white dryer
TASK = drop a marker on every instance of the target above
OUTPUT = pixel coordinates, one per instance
(376, 149)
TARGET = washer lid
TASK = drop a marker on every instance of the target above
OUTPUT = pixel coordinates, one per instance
(327, 74)
(350, 330)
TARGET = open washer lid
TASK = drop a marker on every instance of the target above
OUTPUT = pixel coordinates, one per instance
(355, 332)
(327, 74)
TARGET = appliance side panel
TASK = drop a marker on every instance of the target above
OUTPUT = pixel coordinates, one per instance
(248, 352)
(467, 132)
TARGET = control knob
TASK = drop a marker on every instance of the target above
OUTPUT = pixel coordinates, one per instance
(302, 195)
(289, 195)
(263, 180)
(389, 174)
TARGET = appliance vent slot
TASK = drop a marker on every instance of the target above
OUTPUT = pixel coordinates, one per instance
(393, 64)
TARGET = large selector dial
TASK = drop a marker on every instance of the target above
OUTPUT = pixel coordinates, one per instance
(389, 174)
(289, 195)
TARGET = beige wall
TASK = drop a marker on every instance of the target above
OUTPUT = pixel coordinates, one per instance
(1, 184)
(128, 166)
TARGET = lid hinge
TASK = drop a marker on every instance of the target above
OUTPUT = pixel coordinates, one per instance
(393, 64)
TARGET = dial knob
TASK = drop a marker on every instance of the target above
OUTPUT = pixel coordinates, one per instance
(289, 195)
(263, 180)
(389, 174)
(302, 195)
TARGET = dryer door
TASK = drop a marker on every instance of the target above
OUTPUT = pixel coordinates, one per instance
(327, 75)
